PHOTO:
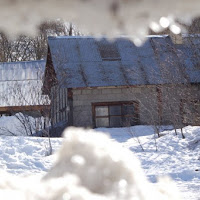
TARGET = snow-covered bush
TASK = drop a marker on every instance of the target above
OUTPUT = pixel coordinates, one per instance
(21, 124)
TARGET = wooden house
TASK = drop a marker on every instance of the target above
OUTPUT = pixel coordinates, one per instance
(102, 83)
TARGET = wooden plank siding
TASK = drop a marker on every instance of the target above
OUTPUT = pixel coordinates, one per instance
(58, 105)
(8, 109)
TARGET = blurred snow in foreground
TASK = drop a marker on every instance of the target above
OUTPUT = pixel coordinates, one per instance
(88, 166)
(107, 17)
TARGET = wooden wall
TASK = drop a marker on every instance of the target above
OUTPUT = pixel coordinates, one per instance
(58, 105)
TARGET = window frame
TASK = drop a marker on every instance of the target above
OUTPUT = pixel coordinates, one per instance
(105, 48)
(117, 103)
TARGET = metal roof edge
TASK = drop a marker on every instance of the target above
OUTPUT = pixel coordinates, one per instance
(101, 37)
(18, 62)
(117, 37)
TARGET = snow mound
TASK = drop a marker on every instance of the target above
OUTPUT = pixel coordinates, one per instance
(89, 165)
(20, 124)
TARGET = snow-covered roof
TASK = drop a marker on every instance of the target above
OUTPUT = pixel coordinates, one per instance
(84, 61)
(18, 71)
(21, 83)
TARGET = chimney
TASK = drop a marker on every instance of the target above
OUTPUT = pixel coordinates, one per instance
(176, 38)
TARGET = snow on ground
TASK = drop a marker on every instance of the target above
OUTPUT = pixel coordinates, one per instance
(179, 158)
(26, 155)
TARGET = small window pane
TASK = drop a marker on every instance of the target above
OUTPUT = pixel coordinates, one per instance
(128, 109)
(129, 121)
(115, 121)
(101, 110)
(102, 122)
(115, 110)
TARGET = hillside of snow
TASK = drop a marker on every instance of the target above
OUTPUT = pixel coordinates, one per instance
(88, 161)
(179, 158)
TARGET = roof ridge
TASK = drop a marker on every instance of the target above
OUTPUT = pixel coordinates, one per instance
(99, 37)
(118, 37)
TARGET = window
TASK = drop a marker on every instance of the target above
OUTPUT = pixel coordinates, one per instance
(190, 112)
(108, 51)
(115, 114)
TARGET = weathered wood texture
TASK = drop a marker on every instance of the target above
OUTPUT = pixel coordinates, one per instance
(58, 105)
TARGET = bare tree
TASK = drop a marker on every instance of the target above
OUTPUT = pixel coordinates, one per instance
(25, 48)
(176, 101)
(26, 98)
